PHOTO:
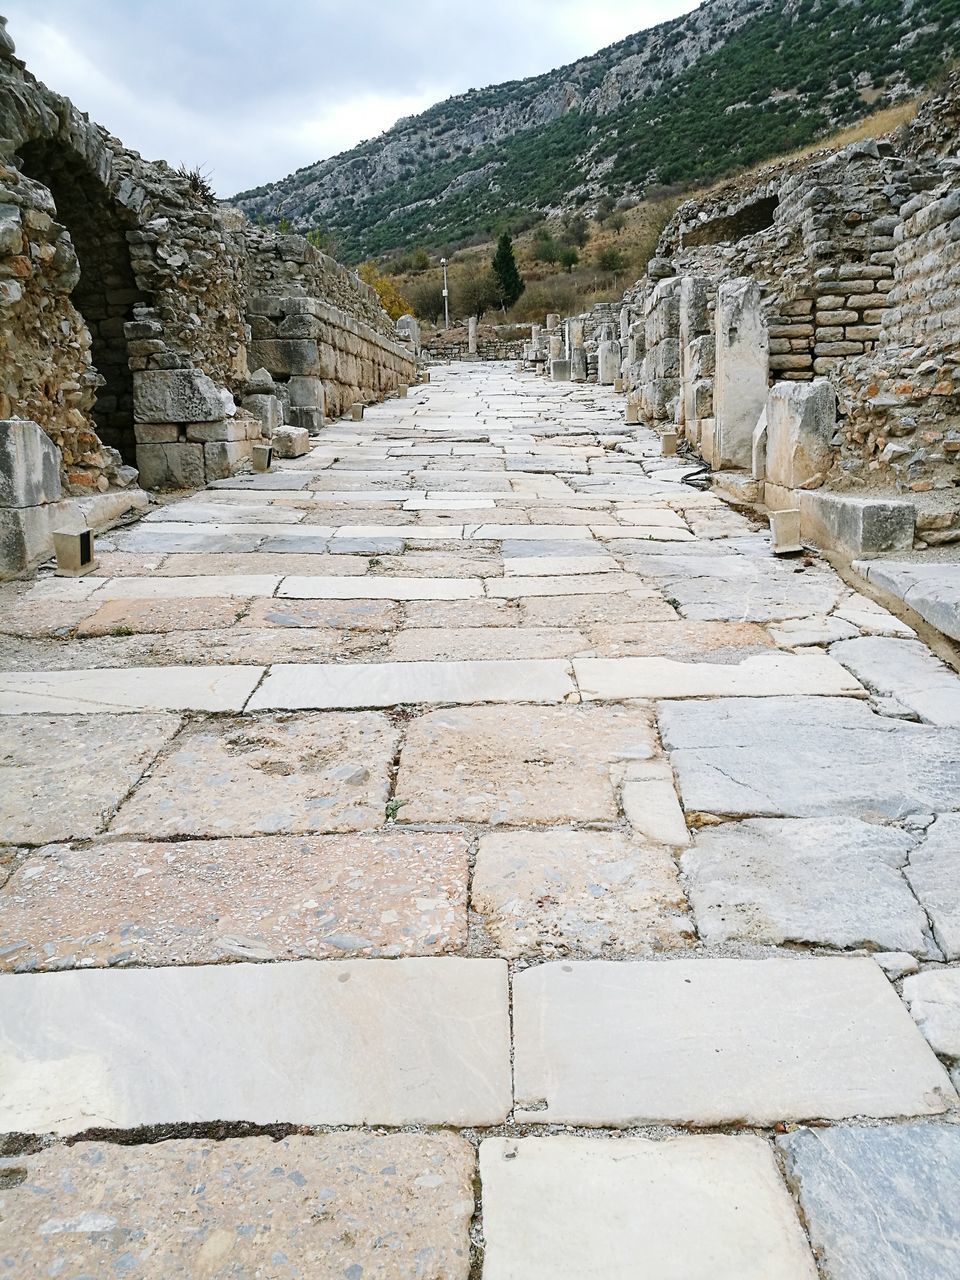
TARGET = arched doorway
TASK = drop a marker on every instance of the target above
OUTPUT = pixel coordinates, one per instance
(107, 290)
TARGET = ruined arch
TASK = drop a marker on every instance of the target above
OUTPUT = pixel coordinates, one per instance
(107, 290)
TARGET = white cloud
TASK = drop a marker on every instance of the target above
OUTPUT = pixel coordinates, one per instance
(254, 91)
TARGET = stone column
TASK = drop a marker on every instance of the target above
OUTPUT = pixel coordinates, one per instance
(472, 336)
(742, 376)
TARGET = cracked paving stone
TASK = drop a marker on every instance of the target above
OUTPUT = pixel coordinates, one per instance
(126, 616)
(553, 892)
(807, 757)
(934, 875)
(933, 997)
(879, 1203)
(834, 882)
(333, 1204)
(322, 772)
(62, 777)
(198, 902)
(515, 765)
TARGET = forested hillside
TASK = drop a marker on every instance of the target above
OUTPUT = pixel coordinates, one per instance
(728, 85)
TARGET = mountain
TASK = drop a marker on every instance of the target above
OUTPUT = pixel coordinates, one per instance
(730, 84)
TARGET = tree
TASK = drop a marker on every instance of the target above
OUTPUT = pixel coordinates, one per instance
(425, 300)
(391, 299)
(475, 291)
(568, 258)
(507, 279)
(609, 259)
(576, 229)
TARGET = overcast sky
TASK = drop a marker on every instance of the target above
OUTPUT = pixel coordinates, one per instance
(252, 91)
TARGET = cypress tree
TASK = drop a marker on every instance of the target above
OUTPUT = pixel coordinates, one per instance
(508, 280)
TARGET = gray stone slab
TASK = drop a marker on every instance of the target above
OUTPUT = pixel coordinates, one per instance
(932, 590)
(933, 997)
(807, 757)
(62, 777)
(568, 1208)
(710, 1042)
(383, 587)
(761, 676)
(358, 1042)
(880, 1203)
(834, 882)
(934, 875)
(331, 1204)
(391, 684)
(905, 670)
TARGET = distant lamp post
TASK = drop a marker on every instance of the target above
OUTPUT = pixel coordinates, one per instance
(446, 295)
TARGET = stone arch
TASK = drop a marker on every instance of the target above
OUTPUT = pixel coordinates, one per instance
(107, 290)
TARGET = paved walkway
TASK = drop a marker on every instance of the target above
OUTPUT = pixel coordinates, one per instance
(467, 847)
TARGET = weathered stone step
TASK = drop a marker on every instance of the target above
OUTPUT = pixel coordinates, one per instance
(365, 1042)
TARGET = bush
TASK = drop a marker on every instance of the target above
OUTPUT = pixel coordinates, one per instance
(391, 299)
(610, 259)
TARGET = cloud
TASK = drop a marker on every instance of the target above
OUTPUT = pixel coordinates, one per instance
(254, 91)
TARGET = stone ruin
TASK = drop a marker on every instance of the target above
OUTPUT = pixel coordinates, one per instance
(837, 275)
(147, 331)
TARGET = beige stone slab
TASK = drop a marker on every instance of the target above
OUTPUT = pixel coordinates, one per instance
(474, 613)
(123, 617)
(63, 777)
(550, 893)
(686, 1208)
(128, 689)
(715, 641)
(651, 805)
(762, 676)
(20, 616)
(203, 901)
(277, 563)
(581, 584)
(416, 644)
(380, 588)
(711, 1042)
(642, 605)
(392, 684)
(157, 587)
(377, 1200)
(314, 1042)
(558, 566)
(518, 765)
(262, 775)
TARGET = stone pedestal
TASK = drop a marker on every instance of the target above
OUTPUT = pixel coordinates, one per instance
(578, 364)
(801, 419)
(472, 335)
(30, 494)
(608, 363)
(560, 370)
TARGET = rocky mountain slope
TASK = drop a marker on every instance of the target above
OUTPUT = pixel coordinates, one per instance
(727, 85)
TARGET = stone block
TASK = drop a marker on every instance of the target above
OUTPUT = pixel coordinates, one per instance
(291, 442)
(857, 526)
(664, 359)
(694, 308)
(267, 409)
(758, 449)
(230, 429)
(224, 458)
(578, 364)
(305, 392)
(178, 395)
(310, 420)
(286, 356)
(29, 465)
(608, 368)
(25, 536)
(156, 432)
(560, 370)
(171, 466)
(801, 419)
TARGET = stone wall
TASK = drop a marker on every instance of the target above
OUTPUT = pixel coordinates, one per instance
(134, 308)
(493, 342)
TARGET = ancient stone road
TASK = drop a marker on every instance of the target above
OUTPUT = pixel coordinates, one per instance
(492, 818)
